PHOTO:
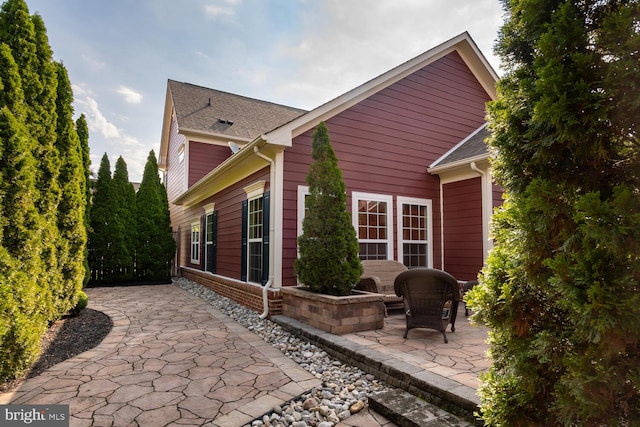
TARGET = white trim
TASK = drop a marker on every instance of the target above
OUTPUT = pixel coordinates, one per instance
(185, 166)
(355, 197)
(191, 252)
(487, 207)
(255, 190)
(401, 200)
(303, 191)
(276, 220)
(209, 208)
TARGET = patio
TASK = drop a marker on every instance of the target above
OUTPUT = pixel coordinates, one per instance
(460, 360)
(445, 375)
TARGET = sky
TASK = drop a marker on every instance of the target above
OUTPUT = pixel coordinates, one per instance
(300, 53)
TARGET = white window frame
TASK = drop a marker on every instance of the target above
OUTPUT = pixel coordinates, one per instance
(400, 201)
(253, 191)
(371, 197)
(303, 192)
(195, 243)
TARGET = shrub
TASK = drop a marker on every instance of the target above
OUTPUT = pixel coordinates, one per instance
(328, 261)
(83, 300)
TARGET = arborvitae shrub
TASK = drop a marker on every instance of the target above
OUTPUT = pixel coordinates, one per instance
(328, 261)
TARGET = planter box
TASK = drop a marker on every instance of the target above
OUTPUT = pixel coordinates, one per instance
(361, 311)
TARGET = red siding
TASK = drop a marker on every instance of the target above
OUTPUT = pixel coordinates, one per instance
(228, 205)
(203, 158)
(462, 202)
(385, 143)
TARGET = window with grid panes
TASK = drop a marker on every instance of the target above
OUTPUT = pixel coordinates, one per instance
(373, 214)
(254, 258)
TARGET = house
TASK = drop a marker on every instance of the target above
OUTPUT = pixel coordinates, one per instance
(410, 144)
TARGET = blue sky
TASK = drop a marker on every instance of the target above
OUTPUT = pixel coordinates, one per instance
(301, 53)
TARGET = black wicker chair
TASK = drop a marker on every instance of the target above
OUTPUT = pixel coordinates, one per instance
(431, 299)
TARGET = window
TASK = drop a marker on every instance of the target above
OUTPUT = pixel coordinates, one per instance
(303, 193)
(255, 234)
(414, 232)
(372, 217)
(195, 243)
(181, 153)
(210, 232)
(254, 256)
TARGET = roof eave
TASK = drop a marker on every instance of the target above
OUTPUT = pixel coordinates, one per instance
(166, 129)
(463, 44)
(436, 170)
(215, 180)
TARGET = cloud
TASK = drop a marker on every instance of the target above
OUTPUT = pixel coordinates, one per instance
(221, 9)
(93, 63)
(130, 96)
(346, 43)
(97, 121)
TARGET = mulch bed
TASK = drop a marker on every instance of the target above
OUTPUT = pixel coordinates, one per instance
(66, 338)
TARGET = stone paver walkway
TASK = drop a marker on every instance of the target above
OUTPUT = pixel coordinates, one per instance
(460, 360)
(171, 359)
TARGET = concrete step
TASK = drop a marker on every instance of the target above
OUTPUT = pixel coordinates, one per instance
(407, 410)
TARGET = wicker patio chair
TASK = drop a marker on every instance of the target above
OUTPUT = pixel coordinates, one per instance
(431, 299)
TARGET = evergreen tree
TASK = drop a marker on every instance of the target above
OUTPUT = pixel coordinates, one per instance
(123, 223)
(560, 291)
(156, 245)
(26, 37)
(72, 203)
(328, 261)
(24, 303)
(100, 234)
(83, 134)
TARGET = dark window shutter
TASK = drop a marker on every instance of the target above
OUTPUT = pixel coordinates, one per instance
(203, 242)
(213, 253)
(266, 203)
(243, 255)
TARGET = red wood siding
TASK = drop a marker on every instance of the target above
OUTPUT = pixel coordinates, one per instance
(462, 202)
(385, 143)
(228, 205)
(203, 158)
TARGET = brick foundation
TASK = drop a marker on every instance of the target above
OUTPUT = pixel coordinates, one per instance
(361, 311)
(243, 293)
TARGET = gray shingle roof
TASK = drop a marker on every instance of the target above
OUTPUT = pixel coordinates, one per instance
(471, 147)
(212, 111)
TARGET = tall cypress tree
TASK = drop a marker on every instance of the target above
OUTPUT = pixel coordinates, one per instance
(123, 223)
(156, 245)
(72, 203)
(328, 261)
(26, 37)
(83, 134)
(560, 291)
(100, 234)
(24, 302)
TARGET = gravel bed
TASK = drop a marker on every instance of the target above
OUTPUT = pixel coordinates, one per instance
(344, 389)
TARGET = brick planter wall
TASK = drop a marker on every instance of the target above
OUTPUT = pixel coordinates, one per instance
(362, 311)
(246, 294)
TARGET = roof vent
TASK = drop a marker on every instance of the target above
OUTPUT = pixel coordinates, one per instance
(225, 122)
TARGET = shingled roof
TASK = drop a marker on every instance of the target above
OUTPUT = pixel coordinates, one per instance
(471, 147)
(203, 110)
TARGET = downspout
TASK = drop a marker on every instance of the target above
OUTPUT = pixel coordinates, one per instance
(265, 289)
(485, 216)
